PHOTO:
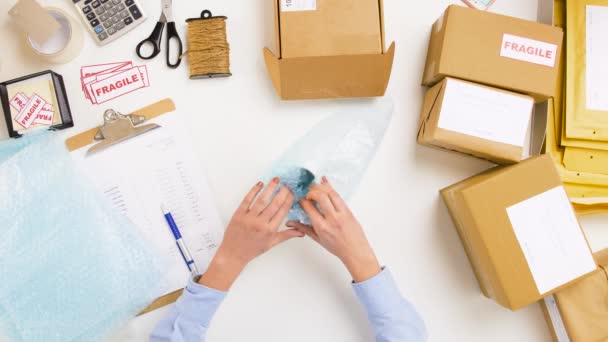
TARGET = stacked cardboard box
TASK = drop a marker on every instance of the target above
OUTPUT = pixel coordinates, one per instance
(516, 222)
(509, 64)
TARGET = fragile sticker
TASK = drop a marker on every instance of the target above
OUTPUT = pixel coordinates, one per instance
(44, 117)
(528, 50)
(104, 82)
(298, 5)
(32, 108)
(117, 85)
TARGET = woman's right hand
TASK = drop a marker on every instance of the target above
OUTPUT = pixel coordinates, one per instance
(336, 229)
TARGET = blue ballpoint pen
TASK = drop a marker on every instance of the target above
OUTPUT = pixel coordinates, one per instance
(181, 245)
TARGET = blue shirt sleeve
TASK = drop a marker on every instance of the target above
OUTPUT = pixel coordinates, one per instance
(392, 317)
(190, 318)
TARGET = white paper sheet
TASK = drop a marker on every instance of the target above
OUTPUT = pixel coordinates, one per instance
(597, 50)
(485, 113)
(551, 239)
(159, 167)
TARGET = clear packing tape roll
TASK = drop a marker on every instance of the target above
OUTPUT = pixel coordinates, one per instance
(65, 45)
(339, 147)
(72, 268)
(50, 33)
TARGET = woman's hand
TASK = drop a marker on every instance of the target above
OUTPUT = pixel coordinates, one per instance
(253, 230)
(336, 229)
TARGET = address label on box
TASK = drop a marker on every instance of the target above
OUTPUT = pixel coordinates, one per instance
(528, 50)
(298, 5)
(551, 239)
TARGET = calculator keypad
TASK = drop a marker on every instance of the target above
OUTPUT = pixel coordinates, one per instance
(107, 17)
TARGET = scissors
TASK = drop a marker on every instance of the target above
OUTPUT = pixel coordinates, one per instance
(166, 19)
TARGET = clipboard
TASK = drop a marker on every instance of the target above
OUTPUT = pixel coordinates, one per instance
(88, 138)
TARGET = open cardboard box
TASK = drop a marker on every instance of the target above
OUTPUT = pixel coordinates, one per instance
(322, 77)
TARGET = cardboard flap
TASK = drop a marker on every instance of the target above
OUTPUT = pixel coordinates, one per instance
(272, 65)
(331, 76)
(602, 258)
(430, 100)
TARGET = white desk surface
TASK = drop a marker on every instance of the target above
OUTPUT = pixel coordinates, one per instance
(298, 292)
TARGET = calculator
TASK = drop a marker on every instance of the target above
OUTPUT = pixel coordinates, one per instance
(109, 19)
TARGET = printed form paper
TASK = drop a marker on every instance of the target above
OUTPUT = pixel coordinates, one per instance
(159, 167)
(551, 239)
(597, 50)
(484, 113)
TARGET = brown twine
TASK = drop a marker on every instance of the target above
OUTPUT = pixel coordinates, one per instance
(208, 48)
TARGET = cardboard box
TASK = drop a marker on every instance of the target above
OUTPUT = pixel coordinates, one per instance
(579, 313)
(316, 58)
(519, 231)
(495, 50)
(313, 28)
(485, 122)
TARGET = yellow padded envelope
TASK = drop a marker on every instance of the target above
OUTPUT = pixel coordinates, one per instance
(586, 89)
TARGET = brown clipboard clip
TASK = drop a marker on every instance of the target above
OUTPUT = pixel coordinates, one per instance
(88, 137)
(117, 128)
(148, 113)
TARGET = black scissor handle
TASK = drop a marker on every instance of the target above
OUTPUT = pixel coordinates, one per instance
(173, 35)
(153, 40)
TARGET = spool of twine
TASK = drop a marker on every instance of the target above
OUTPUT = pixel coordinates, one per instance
(208, 48)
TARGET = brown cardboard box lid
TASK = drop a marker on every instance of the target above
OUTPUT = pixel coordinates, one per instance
(322, 77)
(331, 28)
(471, 49)
(492, 202)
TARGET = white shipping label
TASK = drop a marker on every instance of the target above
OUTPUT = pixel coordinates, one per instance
(597, 50)
(528, 50)
(551, 239)
(298, 5)
(485, 113)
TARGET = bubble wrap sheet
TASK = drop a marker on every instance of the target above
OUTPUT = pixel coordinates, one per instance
(339, 147)
(71, 269)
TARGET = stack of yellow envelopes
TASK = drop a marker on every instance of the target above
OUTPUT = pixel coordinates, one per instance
(577, 132)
